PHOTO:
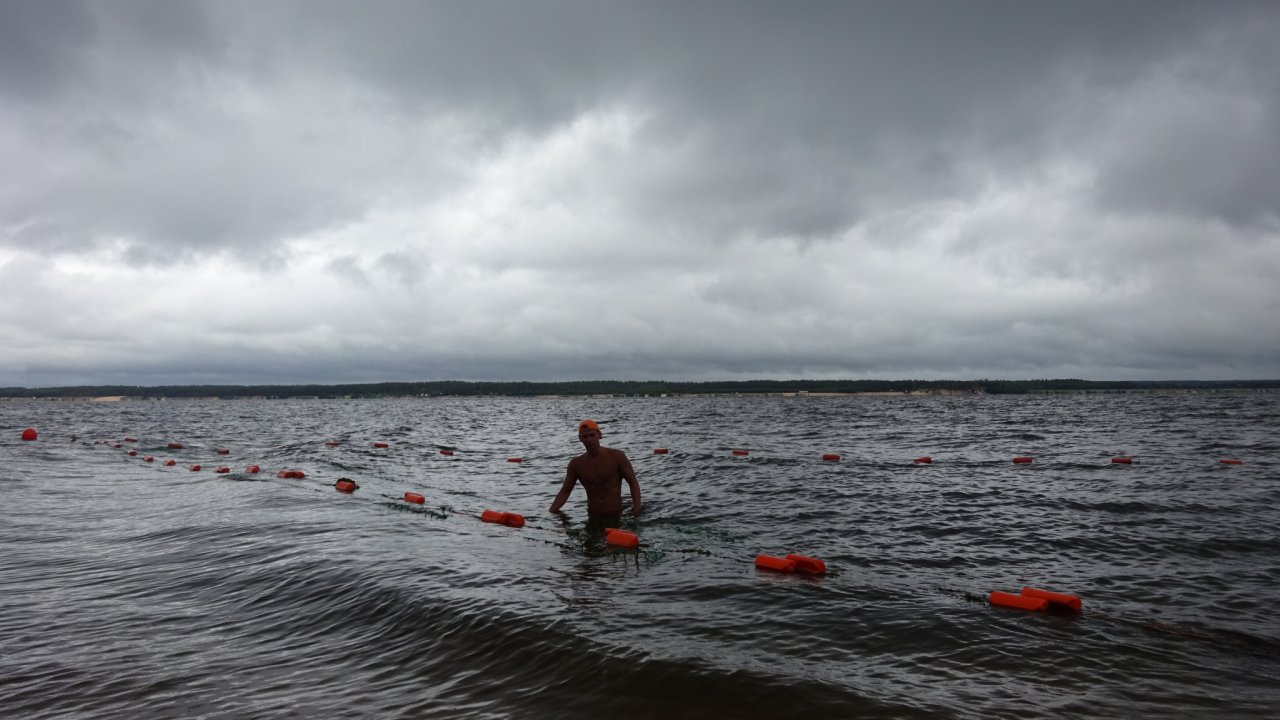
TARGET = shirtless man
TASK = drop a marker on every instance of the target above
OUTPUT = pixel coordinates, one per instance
(601, 471)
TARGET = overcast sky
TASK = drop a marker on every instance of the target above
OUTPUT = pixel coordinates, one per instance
(291, 192)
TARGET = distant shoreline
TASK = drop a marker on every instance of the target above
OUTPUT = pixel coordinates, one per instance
(631, 388)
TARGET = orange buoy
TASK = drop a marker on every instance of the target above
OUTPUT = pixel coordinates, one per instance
(345, 485)
(291, 474)
(174, 446)
(223, 470)
(621, 538)
(741, 452)
(660, 451)
(132, 453)
(515, 459)
(1121, 461)
(808, 565)
(491, 516)
(1022, 460)
(331, 443)
(29, 434)
(831, 457)
(925, 460)
(414, 497)
(223, 451)
(1021, 602)
(776, 564)
(511, 519)
(131, 439)
(1231, 461)
(195, 468)
(1056, 599)
(253, 469)
(170, 463)
(381, 445)
(115, 445)
(446, 452)
(148, 459)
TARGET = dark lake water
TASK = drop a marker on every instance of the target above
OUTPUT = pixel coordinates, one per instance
(132, 589)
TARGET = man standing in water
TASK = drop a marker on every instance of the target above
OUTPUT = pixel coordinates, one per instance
(601, 471)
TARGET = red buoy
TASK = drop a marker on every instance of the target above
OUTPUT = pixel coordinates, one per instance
(1121, 461)
(223, 451)
(446, 452)
(381, 445)
(253, 469)
(511, 519)
(1020, 602)
(344, 485)
(621, 538)
(515, 459)
(291, 474)
(776, 564)
(148, 459)
(926, 460)
(174, 446)
(1231, 461)
(29, 434)
(740, 453)
(223, 470)
(1056, 599)
(660, 451)
(491, 516)
(1022, 461)
(131, 439)
(831, 457)
(131, 453)
(115, 445)
(414, 497)
(195, 468)
(331, 443)
(808, 565)
(170, 463)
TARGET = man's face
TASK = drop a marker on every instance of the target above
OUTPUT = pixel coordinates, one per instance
(589, 436)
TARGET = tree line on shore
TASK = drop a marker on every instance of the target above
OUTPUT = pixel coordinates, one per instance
(630, 388)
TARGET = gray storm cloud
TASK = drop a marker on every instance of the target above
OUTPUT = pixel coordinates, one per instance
(320, 191)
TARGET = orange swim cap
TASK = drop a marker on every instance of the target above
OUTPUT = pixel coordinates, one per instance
(591, 424)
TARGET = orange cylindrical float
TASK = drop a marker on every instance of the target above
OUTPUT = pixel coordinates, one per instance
(660, 451)
(29, 434)
(621, 538)
(345, 486)
(148, 459)
(925, 460)
(446, 452)
(1122, 461)
(1231, 461)
(741, 452)
(223, 451)
(1056, 599)
(195, 468)
(115, 445)
(831, 457)
(1023, 460)
(174, 446)
(331, 443)
(223, 470)
(131, 439)
(291, 474)
(132, 453)
(414, 497)
(491, 516)
(515, 459)
(808, 565)
(777, 564)
(253, 469)
(1021, 602)
(170, 463)
(381, 445)
(511, 519)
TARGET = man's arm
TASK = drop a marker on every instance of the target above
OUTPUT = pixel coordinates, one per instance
(629, 475)
(570, 477)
